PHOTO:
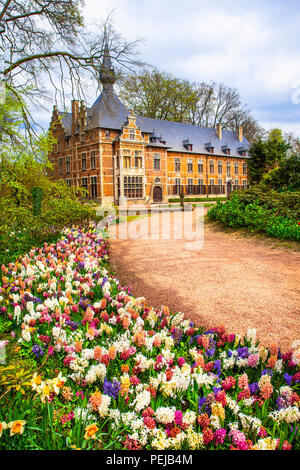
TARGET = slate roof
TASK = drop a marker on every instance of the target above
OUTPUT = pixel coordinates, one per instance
(108, 112)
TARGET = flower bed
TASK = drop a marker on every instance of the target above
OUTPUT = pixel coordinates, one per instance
(103, 370)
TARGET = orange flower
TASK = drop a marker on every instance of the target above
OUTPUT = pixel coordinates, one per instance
(274, 350)
(16, 427)
(166, 310)
(205, 342)
(78, 346)
(90, 431)
(272, 361)
(95, 400)
(89, 315)
(97, 353)
(90, 333)
(175, 431)
(133, 313)
(139, 338)
(200, 361)
(112, 353)
(125, 385)
(125, 323)
(103, 304)
(3, 426)
(266, 391)
(125, 368)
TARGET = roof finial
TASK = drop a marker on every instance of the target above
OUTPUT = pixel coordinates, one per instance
(107, 71)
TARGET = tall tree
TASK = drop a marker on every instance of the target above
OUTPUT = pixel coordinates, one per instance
(159, 95)
(46, 40)
(266, 154)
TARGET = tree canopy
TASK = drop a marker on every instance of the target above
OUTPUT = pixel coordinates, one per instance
(159, 95)
(266, 154)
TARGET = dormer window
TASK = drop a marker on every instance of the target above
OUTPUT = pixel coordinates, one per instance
(107, 134)
(226, 149)
(187, 145)
(242, 151)
(209, 147)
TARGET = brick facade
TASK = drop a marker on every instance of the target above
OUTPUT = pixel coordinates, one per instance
(101, 159)
(118, 156)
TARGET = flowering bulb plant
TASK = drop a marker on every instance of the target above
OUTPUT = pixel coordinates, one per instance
(113, 372)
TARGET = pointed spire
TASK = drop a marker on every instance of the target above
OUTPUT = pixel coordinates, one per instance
(107, 71)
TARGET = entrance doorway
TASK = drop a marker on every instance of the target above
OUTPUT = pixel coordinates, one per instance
(157, 194)
(229, 188)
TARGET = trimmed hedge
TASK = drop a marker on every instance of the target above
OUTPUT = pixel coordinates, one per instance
(273, 214)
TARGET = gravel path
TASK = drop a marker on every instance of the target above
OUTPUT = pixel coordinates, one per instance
(235, 281)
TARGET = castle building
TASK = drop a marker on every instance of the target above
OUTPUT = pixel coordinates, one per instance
(117, 156)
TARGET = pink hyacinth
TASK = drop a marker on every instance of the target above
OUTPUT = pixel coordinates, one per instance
(178, 418)
(219, 436)
(243, 381)
(253, 360)
(180, 361)
(239, 439)
(228, 383)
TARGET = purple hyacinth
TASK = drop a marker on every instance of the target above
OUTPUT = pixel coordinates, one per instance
(37, 350)
(72, 324)
(288, 378)
(267, 372)
(177, 335)
(254, 388)
(201, 402)
(112, 389)
(243, 352)
(210, 352)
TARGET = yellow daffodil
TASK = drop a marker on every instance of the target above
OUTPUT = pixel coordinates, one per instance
(36, 381)
(16, 427)
(90, 431)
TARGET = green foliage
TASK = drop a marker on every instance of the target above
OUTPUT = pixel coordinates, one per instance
(286, 176)
(266, 154)
(268, 214)
(285, 204)
(37, 194)
(33, 209)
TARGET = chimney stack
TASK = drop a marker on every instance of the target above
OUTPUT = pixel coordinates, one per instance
(239, 133)
(219, 131)
(75, 115)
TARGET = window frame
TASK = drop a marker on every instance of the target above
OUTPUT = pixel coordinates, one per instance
(83, 159)
(156, 161)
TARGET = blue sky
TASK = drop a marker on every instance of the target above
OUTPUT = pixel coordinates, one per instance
(252, 46)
